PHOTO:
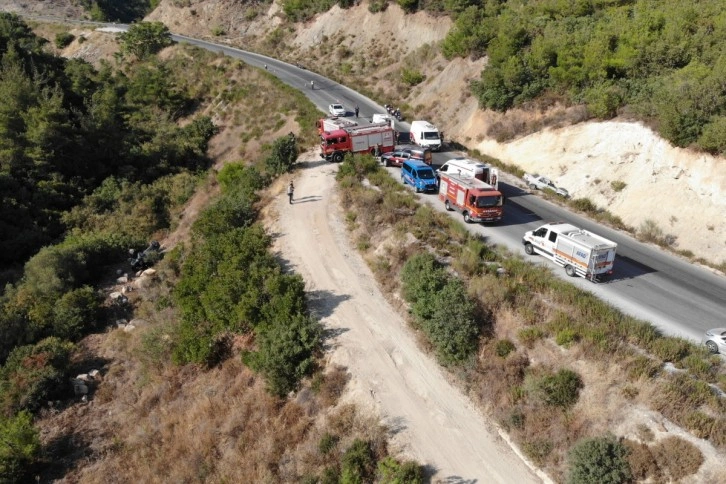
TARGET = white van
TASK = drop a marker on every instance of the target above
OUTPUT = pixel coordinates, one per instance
(468, 168)
(426, 135)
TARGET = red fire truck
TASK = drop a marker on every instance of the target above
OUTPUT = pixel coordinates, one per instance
(476, 200)
(358, 139)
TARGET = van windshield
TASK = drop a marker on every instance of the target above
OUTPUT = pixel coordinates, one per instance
(426, 174)
(430, 135)
(484, 201)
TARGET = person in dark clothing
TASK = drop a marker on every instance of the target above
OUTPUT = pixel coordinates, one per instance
(356, 111)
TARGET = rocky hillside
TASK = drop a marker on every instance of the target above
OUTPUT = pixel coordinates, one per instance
(618, 165)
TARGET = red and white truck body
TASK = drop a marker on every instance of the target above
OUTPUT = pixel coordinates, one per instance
(580, 252)
(359, 139)
(334, 123)
(476, 200)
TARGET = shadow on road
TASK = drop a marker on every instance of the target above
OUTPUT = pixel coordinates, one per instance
(310, 198)
(323, 303)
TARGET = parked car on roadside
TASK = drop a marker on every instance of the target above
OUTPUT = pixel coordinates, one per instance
(539, 182)
(395, 158)
(715, 340)
(337, 109)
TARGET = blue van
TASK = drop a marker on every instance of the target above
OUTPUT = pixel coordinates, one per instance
(419, 175)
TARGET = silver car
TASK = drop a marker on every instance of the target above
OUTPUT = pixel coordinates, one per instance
(715, 340)
(337, 109)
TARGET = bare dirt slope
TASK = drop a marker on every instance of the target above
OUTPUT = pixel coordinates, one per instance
(432, 421)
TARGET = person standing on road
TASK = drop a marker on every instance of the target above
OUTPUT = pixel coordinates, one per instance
(356, 110)
(312, 84)
(290, 191)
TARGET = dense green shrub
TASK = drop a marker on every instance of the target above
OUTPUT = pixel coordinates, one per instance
(19, 447)
(422, 277)
(282, 156)
(76, 313)
(358, 167)
(452, 327)
(359, 463)
(233, 210)
(392, 471)
(34, 374)
(441, 307)
(236, 177)
(599, 459)
(412, 77)
(286, 350)
(561, 389)
(144, 39)
(303, 10)
(64, 39)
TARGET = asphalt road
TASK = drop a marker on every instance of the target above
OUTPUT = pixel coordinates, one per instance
(679, 298)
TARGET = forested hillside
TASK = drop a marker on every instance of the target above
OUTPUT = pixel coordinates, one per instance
(97, 161)
(662, 62)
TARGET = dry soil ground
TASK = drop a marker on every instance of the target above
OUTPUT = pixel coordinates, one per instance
(431, 420)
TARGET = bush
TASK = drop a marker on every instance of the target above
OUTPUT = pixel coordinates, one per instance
(584, 205)
(286, 350)
(19, 447)
(282, 155)
(422, 277)
(451, 326)
(561, 389)
(328, 442)
(412, 77)
(538, 450)
(642, 462)
(677, 458)
(358, 463)
(600, 459)
(504, 347)
(618, 185)
(144, 39)
(64, 39)
(392, 471)
(375, 6)
(34, 374)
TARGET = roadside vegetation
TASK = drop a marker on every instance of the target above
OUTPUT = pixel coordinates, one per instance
(553, 364)
(97, 161)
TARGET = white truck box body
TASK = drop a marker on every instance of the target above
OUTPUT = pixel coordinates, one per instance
(579, 251)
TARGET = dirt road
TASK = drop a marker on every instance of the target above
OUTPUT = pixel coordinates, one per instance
(431, 420)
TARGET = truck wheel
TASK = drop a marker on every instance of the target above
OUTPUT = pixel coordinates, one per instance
(387, 162)
(338, 157)
(529, 249)
(569, 270)
(467, 218)
(532, 186)
(447, 206)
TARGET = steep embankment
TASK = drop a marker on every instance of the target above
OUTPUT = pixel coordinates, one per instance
(683, 192)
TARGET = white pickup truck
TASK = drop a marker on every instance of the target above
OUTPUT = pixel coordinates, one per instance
(538, 182)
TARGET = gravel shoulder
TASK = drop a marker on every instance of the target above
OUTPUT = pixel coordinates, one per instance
(431, 421)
